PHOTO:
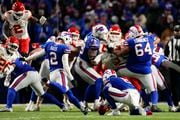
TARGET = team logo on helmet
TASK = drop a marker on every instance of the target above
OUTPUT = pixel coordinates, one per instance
(108, 73)
(66, 37)
(100, 31)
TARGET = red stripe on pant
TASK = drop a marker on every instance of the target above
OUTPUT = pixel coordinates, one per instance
(19, 80)
(154, 82)
(87, 72)
(162, 79)
(63, 79)
(118, 94)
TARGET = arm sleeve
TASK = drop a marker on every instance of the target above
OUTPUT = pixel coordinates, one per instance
(66, 66)
(169, 64)
(166, 50)
(4, 29)
(36, 55)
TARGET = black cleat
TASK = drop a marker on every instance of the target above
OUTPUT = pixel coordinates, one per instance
(84, 110)
(154, 108)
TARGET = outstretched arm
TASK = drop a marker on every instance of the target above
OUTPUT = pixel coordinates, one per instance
(5, 29)
(42, 20)
(169, 64)
(36, 55)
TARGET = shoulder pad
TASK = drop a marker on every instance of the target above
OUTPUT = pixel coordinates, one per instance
(27, 13)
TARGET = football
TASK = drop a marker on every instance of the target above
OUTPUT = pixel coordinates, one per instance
(103, 109)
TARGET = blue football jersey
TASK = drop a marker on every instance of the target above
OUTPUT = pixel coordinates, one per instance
(21, 67)
(158, 59)
(140, 55)
(120, 83)
(54, 53)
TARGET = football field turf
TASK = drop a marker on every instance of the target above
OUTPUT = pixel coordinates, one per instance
(51, 112)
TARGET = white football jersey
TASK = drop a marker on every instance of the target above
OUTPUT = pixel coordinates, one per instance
(6, 59)
(18, 27)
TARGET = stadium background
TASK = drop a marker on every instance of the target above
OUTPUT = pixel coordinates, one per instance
(156, 16)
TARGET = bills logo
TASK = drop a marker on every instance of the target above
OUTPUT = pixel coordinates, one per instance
(99, 29)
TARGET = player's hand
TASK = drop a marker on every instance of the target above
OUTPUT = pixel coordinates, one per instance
(42, 20)
(74, 83)
(7, 80)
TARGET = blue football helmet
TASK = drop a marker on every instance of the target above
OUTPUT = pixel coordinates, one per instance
(92, 42)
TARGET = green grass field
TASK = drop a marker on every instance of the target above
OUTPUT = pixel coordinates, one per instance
(51, 112)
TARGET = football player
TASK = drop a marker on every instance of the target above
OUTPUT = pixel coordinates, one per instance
(25, 75)
(121, 90)
(57, 54)
(84, 68)
(8, 53)
(16, 23)
(139, 49)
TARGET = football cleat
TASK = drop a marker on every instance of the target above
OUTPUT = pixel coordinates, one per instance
(64, 108)
(123, 107)
(138, 111)
(84, 110)
(29, 107)
(172, 109)
(6, 110)
(154, 108)
(115, 112)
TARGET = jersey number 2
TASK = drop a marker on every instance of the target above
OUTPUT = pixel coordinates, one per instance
(140, 50)
(53, 58)
(17, 29)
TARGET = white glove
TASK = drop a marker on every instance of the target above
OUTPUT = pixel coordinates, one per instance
(42, 20)
(7, 80)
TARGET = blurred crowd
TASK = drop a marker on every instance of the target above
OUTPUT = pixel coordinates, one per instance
(156, 16)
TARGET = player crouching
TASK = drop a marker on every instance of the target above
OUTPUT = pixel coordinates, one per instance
(119, 89)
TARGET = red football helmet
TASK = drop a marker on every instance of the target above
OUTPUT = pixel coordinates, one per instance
(75, 33)
(13, 44)
(115, 33)
(18, 9)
